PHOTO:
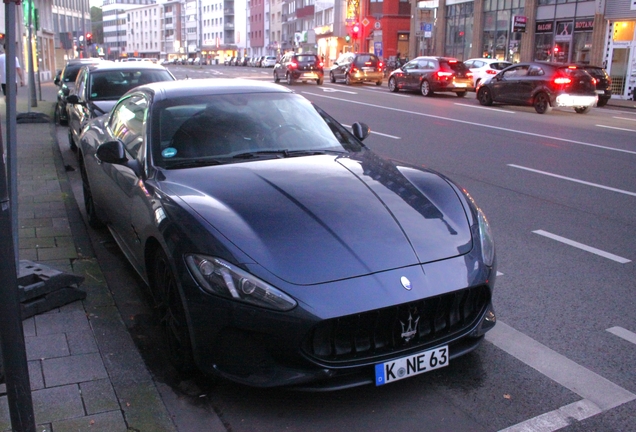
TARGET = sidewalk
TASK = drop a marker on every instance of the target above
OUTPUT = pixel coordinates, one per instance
(85, 371)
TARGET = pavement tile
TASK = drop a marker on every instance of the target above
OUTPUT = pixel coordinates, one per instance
(36, 379)
(28, 326)
(143, 407)
(112, 421)
(49, 346)
(47, 254)
(81, 342)
(73, 369)
(53, 231)
(60, 323)
(57, 403)
(35, 242)
(99, 396)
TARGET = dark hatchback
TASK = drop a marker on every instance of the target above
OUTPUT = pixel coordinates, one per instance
(294, 67)
(65, 80)
(432, 74)
(603, 83)
(278, 248)
(541, 85)
(357, 68)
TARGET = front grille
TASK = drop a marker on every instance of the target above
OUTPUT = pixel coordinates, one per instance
(384, 331)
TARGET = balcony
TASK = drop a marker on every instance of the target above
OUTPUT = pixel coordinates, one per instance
(228, 11)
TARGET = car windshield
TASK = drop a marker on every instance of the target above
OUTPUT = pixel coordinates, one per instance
(231, 128)
(113, 84)
(71, 71)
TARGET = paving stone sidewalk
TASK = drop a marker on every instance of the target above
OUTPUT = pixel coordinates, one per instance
(85, 371)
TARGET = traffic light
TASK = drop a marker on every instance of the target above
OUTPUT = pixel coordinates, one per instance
(355, 31)
(89, 39)
(347, 38)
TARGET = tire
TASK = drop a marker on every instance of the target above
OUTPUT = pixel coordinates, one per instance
(276, 79)
(484, 96)
(583, 110)
(393, 85)
(378, 83)
(425, 89)
(58, 115)
(348, 80)
(461, 94)
(541, 103)
(289, 79)
(71, 140)
(602, 102)
(332, 77)
(172, 316)
(320, 80)
(94, 221)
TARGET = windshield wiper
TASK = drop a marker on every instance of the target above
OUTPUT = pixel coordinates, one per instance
(193, 163)
(285, 153)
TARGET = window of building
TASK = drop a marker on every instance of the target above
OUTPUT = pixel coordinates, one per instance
(459, 30)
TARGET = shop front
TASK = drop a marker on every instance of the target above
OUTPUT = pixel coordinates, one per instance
(620, 50)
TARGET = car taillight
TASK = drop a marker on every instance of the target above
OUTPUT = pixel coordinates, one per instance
(562, 80)
(353, 69)
(293, 65)
(321, 64)
(443, 75)
(380, 65)
(594, 81)
(469, 74)
(491, 72)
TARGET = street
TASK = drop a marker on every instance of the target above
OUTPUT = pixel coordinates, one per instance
(560, 193)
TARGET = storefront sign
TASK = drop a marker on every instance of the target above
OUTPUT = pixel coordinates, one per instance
(632, 6)
(323, 30)
(519, 24)
(544, 27)
(584, 24)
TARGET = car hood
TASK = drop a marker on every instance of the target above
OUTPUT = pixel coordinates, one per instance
(316, 219)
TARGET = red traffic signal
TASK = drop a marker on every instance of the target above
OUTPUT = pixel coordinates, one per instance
(89, 38)
(355, 30)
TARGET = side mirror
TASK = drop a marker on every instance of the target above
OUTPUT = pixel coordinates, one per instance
(360, 130)
(114, 152)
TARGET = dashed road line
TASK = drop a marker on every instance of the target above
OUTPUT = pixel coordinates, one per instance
(616, 128)
(623, 334)
(582, 246)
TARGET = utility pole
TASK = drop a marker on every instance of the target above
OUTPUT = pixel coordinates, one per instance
(12, 346)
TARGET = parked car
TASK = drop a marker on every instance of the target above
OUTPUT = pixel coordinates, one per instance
(484, 68)
(261, 226)
(65, 80)
(357, 68)
(542, 85)
(603, 83)
(268, 61)
(294, 67)
(99, 86)
(432, 74)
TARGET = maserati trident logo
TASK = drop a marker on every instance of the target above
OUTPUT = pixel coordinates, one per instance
(406, 283)
(409, 329)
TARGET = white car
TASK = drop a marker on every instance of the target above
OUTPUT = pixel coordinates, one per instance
(268, 61)
(484, 68)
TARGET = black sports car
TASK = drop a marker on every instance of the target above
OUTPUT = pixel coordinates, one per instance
(281, 251)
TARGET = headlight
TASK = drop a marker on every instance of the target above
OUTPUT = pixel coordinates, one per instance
(222, 278)
(485, 237)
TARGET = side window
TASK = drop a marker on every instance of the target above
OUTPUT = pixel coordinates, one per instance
(469, 64)
(128, 120)
(80, 84)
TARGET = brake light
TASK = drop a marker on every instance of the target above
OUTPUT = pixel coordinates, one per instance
(562, 80)
(452, 61)
(353, 69)
(594, 81)
(321, 64)
(469, 74)
(491, 72)
(571, 67)
(293, 65)
(443, 75)
(380, 65)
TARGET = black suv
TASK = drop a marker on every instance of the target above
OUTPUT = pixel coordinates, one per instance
(357, 67)
(603, 83)
(65, 80)
(299, 67)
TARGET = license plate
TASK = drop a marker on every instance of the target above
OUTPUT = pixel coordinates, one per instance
(309, 75)
(460, 85)
(600, 92)
(409, 366)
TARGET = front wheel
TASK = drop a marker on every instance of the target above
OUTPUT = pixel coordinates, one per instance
(484, 96)
(71, 140)
(542, 103)
(94, 221)
(332, 77)
(425, 89)
(348, 79)
(393, 84)
(583, 110)
(62, 120)
(290, 81)
(172, 316)
(320, 80)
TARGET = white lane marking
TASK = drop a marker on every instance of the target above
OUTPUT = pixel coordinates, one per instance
(623, 333)
(474, 123)
(574, 180)
(486, 108)
(499, 273)
(378, 133)
(616, 128)
(557, 419)
(583, 247)
(592, 387)
(623, 118)
(333, 90)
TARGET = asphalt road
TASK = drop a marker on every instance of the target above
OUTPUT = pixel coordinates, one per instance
(560, 192)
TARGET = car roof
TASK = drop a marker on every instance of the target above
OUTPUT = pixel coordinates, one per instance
(208, 86)
(125, 66)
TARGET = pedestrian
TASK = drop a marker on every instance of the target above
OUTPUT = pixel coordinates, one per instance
(3, 71)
